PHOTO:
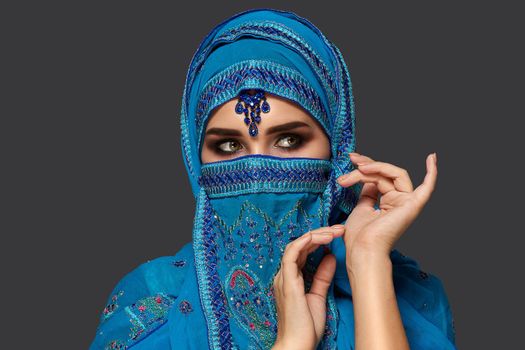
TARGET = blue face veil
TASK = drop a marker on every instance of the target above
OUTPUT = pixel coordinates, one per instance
(216, 292)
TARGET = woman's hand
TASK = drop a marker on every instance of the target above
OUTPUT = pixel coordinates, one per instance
(376, 231)
(301, 317)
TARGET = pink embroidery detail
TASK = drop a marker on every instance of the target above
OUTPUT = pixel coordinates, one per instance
(240, 272)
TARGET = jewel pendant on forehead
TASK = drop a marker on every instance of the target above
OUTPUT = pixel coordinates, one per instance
(250, 105)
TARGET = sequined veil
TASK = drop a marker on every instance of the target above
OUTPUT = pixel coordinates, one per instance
(215, 293)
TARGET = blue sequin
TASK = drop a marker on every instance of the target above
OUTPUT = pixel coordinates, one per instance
(185, 307)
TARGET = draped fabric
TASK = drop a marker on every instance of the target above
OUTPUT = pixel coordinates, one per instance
(215, 292)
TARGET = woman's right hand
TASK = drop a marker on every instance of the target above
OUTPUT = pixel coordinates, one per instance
(301, 317)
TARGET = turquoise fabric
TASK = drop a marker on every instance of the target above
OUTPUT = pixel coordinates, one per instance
(216, 292)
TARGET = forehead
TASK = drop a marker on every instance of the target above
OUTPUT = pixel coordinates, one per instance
(282, 110)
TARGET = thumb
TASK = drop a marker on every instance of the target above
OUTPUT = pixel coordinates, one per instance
(323, 276)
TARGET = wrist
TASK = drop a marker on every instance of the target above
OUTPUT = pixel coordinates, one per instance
(282, 345)
(359, 262)
(279, 346)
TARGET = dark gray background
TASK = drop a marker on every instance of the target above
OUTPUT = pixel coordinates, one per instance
(94, 178)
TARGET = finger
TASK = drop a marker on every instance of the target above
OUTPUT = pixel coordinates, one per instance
(319, 239)
(423, 191)
(399, 175)
(296, 251)
(357, 158)
(369, 195)
(333, 228)
(323, 276)
(383, 183)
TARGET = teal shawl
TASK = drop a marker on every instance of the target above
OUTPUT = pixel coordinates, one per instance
(215, 292)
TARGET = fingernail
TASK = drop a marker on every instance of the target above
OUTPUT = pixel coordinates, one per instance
(435, 157)
(354, 154)
(338, 226)
(342, 177)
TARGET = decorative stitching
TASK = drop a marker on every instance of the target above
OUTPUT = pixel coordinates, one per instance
(260, 74)
(185, 307)
(147, 314)
(112, 306)
(210, 290)
(251, 306)
(212, 295)
(264, 174)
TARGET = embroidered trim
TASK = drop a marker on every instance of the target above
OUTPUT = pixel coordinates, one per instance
(148, 314)
(280, 33)
(247, 205)
(210, 290)
(260, 74)
(261, 173)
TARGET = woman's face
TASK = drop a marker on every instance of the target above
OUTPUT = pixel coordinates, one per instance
(287, 130)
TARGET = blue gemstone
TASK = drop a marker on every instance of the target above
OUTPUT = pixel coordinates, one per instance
(265, 107)
(257, 119)
(247, 120)
(239, 108)
(253, 129)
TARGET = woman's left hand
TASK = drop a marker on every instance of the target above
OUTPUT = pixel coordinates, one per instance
(375, 231)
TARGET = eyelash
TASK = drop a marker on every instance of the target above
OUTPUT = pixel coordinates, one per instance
(299, 138)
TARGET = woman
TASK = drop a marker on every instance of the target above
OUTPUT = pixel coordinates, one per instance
(292, 243)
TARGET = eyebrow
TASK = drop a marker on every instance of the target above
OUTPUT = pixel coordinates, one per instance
(272, 130)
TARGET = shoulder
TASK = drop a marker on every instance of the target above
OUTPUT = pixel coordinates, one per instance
(424, 290)
(139, 303)
(162, 274)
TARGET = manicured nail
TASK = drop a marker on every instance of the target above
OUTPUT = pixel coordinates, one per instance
(354, 154)
(435, 157)
(338, 227)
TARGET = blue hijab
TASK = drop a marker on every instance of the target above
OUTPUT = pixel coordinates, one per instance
(215, 292)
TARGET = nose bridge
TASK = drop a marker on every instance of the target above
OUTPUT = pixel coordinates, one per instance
(256, 145)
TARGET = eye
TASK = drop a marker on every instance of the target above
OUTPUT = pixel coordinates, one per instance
(289, 141)
(228, 146)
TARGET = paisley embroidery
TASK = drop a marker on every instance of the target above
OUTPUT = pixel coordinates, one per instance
(148, 313)
(250, 240)
(251, 306)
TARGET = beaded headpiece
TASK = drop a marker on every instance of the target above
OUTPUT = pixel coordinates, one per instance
(252, 108)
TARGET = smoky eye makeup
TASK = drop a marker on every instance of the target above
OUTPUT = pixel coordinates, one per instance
(285, 142)
(289, 142)
(227, 146)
